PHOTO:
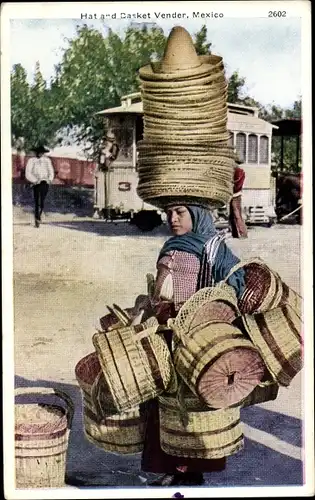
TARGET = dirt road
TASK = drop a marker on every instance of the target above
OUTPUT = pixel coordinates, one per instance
(64, 275)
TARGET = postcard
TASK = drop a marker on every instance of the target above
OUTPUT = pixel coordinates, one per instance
(157, 249)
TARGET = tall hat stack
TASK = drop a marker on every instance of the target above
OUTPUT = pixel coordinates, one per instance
(184, 156)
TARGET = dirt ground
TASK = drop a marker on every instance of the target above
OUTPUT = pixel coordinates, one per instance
(66, 272)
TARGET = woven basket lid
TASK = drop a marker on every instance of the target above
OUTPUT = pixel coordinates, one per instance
(231, 377)
(39, 421)
(180, 59)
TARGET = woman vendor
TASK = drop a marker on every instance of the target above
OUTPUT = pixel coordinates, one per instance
(195, 257)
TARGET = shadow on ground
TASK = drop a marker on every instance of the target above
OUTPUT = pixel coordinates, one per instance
(256, 465)
(103, 228)
(60, 199)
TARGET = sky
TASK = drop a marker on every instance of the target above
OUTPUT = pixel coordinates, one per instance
(266, 52)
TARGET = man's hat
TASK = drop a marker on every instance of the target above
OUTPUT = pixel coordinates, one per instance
(110, 135)
(40, 149)
(180, 60)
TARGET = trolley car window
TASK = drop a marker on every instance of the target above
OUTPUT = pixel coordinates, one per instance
(231, 139)
(252, 148)
(241, 146)
(264, 149)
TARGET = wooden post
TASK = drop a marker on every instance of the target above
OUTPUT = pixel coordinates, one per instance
(297, 152)
(281, 153)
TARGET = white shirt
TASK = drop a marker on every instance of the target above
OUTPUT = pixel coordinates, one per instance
(39, 169)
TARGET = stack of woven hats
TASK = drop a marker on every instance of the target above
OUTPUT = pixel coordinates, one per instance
(184, 156)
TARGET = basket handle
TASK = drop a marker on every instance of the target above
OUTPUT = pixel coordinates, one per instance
(120, 314)
(241, 264)
(20, 391)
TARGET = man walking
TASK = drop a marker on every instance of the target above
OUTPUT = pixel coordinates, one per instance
(40, 173)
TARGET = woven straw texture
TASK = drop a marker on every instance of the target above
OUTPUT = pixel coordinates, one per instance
(185, 106)
(116, 433)
(210, 434)
(195, 311)
(219, 364)
(265, 290)
(136, 367)
(41, 440)
(276, 333)
(183, 401)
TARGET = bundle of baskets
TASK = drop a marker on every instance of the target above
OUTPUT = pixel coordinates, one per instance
(220, 359)
(184, 156)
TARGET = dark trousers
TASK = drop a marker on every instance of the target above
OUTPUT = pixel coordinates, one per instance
(40, 193)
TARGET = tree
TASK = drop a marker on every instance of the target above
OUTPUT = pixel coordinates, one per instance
(20, 104)
(34, 119)
(96, 71)
(201, 45)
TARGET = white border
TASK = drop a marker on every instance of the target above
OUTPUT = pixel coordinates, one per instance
(58, 10)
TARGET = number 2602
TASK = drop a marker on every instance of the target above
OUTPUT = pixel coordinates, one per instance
(279, 13)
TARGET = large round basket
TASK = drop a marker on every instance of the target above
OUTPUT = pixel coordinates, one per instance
(41, 439)
(206, 434)
(136, 364)
(116, 433)
(277, 335)
(219, 364)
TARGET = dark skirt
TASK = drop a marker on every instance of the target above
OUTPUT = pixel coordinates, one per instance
(154, 459)
(238, 226)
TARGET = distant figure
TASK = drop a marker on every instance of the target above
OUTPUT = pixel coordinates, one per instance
(108, 154)
(238, 226)
(40, 173)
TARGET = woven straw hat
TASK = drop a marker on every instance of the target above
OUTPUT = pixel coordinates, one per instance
(180, 60)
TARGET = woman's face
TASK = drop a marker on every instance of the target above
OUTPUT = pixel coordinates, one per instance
(179, 220)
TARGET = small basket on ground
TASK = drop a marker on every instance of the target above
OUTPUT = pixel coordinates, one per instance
(115, 433)
(41, 439)
(136, 364)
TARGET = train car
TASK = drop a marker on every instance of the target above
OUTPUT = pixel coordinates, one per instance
(250, 135)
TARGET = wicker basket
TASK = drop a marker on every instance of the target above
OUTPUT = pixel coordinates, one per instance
(264, 289)
(41, 440)
(197, 310)
(116, 433)
(219, 364)
(136, 364)
(276, 333)
(209, 434)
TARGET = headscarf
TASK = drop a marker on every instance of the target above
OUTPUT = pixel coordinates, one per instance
(193, 242)
(203, 229)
